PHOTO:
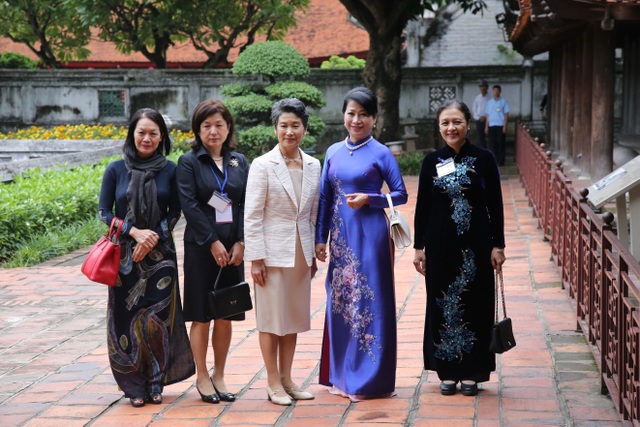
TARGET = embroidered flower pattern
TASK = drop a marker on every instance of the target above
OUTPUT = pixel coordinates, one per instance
(453, 184)
(456, 339)
(349, 289)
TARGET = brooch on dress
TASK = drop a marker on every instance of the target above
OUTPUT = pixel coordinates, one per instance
(233, 162)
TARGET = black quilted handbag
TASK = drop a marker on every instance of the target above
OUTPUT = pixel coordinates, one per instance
(228, 301)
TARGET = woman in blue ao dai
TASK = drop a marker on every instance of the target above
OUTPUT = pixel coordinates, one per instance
(459, 241)
(360, 338)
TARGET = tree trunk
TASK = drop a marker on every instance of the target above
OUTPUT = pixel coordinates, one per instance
(383, 73)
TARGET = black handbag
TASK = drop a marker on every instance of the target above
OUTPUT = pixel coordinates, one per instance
(228, 301)
(502, 338)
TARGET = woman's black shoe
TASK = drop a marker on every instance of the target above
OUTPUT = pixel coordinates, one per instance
(469, 388)
(208, 398)
(155, 398)
(137, 401)
(225, 397)
(447, 388)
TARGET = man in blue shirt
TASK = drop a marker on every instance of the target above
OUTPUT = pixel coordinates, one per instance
(497, 112)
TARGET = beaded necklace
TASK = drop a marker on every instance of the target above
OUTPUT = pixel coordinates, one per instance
(353, 148)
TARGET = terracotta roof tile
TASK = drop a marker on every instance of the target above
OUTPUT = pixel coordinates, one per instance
(321, 32)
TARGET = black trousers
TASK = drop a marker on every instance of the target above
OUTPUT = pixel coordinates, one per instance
(498, 141)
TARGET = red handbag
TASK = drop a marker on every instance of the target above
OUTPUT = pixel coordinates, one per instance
(103, 262)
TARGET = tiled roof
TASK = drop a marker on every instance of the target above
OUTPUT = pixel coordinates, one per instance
(321, 32)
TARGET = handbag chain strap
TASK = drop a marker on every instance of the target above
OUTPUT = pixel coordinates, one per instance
(215, 285)
(500, 281)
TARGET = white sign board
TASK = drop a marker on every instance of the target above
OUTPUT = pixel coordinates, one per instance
(618, 182)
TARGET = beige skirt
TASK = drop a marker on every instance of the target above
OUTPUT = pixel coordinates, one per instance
(283, 305)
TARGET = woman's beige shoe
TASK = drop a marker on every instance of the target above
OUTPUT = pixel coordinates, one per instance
(278, 400)
(295, 392)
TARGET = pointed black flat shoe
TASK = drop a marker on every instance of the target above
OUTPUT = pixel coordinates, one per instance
(225, 397)
(208, 398)
(469, 388)
(447, 388)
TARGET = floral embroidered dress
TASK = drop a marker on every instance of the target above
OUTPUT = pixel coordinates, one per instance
(359, 344)
(458, 220)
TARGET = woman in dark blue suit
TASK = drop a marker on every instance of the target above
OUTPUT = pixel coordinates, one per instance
(212, 179)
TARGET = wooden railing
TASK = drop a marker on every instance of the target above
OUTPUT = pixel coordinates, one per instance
(599, 272)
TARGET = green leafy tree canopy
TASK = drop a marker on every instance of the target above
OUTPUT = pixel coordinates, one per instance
(49, 28)
(222, 25)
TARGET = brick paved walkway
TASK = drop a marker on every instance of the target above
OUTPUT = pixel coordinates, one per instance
(54, 369)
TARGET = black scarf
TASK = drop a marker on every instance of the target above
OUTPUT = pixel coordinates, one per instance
(143, 210)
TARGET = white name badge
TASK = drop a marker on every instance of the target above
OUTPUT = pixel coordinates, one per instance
(218, 201)
(445, 168)
(225, 216)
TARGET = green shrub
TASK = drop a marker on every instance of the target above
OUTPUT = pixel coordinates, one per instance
(310, 95)
(410, 163)
(316, 125)
(271, 59)
(252, 111)
(256, 140)
(350, 62)
(240, 89)
(37, 202)
(252, 108)
(16, 61)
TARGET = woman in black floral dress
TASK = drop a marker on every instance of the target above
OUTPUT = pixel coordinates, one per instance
(459, 241)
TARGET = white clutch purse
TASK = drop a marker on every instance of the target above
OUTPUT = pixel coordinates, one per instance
(398, 227)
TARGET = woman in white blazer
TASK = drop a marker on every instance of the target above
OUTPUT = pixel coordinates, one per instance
(281, 206)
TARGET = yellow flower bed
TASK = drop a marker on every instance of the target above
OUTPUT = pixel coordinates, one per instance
(85, 132)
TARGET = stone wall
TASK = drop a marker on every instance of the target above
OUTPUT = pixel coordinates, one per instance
(54, 97)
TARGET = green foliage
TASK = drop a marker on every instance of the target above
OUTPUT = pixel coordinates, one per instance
(256, 140)
(14, 60)
(148, 27)
(316, 125)
(38, 202)
(350, 62)
(310, 95)
(227, 24)
(50, 28)
(56, 242)
(240, 89)
(410, 163)
(507, 51)
(271, 59)
(252, 111)
(252, 107)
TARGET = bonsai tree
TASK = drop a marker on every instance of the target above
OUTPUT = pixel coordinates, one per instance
(274, 67)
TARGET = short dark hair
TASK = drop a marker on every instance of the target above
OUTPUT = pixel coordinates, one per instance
(456, 104)
(497, 87)
(208, 108)
(129, 147)
(363, 96)
(289, 105)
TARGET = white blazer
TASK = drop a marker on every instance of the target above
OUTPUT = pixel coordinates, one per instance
(271, 212)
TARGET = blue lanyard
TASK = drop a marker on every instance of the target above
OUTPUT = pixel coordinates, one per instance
(218, 181)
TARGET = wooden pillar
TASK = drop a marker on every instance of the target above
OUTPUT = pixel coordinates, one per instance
(631, 85)
(554, 94)
(578, 100)
(567, 99)
(583, 130)
(602, 101)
